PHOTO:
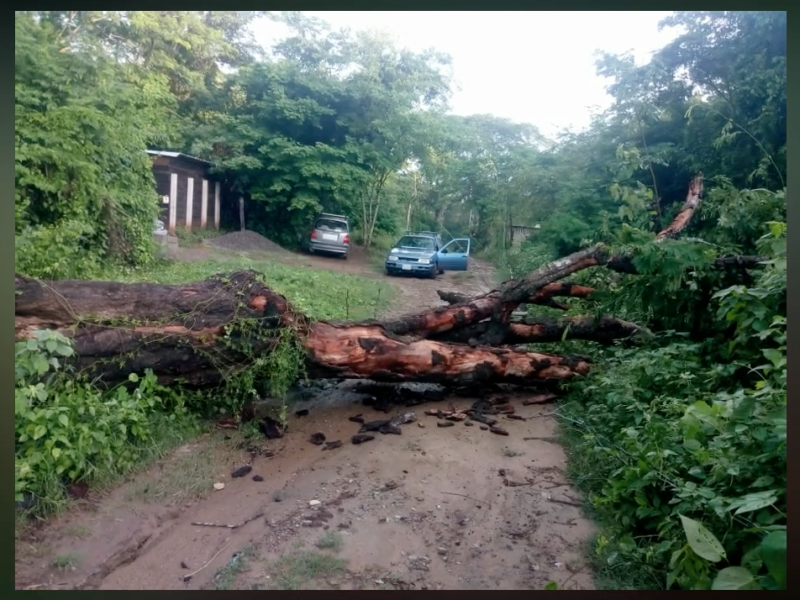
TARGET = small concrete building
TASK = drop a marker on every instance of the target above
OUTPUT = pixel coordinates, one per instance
(190, 196)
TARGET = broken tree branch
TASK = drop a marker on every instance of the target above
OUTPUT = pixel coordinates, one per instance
(686, 212)
(558, 289)
(604, 330)
(597, 255)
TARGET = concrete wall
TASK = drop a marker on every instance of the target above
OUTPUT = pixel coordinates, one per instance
(193, 200)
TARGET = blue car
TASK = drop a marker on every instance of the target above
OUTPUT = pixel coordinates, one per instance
(423, 254)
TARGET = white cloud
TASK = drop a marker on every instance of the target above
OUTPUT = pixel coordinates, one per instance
(534, 67)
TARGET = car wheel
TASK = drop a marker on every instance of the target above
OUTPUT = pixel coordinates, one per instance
(344, 256)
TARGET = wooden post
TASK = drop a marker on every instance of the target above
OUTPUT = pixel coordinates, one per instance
(204, 205)
(173, 203)
(189, 202)
(216, 206)
(241, 212)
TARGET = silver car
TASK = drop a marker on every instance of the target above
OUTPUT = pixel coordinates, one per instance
(331, 234)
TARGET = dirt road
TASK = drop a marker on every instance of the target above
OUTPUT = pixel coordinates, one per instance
(434, 507)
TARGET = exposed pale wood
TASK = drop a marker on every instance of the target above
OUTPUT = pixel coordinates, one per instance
(686, 212)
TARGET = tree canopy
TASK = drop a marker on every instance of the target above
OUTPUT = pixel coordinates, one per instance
(349, 122)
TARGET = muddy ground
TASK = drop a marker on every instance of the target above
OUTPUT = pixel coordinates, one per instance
(433, 507)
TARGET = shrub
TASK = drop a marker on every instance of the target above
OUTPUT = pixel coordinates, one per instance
(684, 446)
(68, 430)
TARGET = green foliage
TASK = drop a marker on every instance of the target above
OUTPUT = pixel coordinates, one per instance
(769, 557)
(263, 376)
(324, 125)
(196, 237)
(68, 430)
(83, 180)
(687, 440)
(566, 233)
(56, 250)
(531, 255)
(94, 90)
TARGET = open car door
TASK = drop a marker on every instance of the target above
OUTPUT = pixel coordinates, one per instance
(454, 255)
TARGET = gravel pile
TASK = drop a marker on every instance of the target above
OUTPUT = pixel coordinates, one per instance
(244, 241)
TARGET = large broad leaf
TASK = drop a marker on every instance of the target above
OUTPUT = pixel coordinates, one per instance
(734, 578)
(702, 541)
(773, 553)
(754, 501)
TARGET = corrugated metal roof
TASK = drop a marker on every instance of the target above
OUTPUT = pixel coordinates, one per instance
(169, 154)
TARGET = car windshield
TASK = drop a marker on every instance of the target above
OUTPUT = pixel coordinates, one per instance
(331, 225)
(416, 243)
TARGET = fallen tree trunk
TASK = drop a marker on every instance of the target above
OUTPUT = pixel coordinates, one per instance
(204, 331)
(464, 311)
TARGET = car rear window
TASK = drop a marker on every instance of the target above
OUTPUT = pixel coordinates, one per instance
(331, 225)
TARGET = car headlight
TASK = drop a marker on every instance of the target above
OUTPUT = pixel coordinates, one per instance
(424, 261)
(392, 257)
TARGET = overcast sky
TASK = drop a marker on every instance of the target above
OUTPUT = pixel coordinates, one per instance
(533, 67)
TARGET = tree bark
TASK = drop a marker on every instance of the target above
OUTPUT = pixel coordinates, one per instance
(203, 331)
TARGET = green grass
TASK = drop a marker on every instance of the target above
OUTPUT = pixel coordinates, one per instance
(331, 540)
(196, 237)
(225, 579)
(377, 261)
(77, 530)
(293, 571)
(65, 562)
(319, 294)
(166, 437)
